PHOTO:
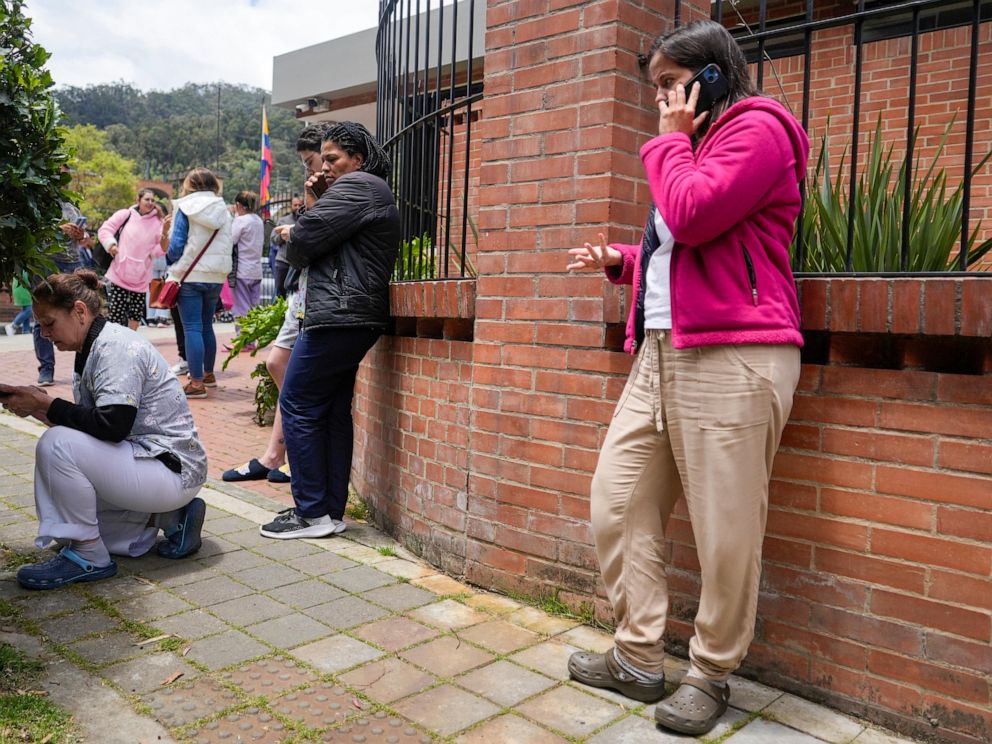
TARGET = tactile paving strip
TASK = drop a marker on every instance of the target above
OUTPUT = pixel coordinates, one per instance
(180, 704)
(250, 726)
(270, 677)
(379, 728)
(318, 707)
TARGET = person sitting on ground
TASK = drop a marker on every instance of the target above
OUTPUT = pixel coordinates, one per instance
(272, 465)
(122, 462)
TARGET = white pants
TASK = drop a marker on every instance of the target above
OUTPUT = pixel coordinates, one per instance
(85, 488)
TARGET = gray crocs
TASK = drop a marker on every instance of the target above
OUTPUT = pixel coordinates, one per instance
(694, 708)
(602, 670)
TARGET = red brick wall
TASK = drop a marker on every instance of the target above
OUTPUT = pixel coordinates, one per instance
(878, 562)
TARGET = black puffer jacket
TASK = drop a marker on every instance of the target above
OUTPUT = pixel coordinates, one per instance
(348, 240)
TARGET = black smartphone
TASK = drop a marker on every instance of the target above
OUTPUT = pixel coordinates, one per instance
(712, 87)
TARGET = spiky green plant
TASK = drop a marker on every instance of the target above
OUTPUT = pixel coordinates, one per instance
(935, 213)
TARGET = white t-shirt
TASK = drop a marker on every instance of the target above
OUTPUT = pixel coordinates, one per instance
(657, 290)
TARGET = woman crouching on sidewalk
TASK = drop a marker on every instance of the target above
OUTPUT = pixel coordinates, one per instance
(120, 463)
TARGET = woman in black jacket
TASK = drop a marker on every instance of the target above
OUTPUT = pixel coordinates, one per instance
(345, 244)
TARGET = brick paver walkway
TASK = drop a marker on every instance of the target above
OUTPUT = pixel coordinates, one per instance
(349, 639)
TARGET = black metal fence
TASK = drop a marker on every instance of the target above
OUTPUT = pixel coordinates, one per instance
(428, 82)
(786, 34)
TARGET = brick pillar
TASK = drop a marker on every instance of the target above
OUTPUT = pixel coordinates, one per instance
(566, 108)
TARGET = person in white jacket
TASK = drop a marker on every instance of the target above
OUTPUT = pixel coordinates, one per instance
(199, 256)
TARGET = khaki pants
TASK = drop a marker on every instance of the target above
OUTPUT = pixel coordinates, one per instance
(704, 422)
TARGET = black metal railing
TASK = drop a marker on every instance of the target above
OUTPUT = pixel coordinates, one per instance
(429, 86)
(773, 33)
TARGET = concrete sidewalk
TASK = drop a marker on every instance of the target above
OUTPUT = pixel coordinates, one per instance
(349, 639)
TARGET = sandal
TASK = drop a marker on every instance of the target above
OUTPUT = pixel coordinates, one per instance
(184, 539)
(68, 567)
(602, 670)
(694, 708)
(251, 470)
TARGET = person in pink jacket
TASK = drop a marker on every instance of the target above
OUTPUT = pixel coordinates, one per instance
(714, 326)
(133, 236)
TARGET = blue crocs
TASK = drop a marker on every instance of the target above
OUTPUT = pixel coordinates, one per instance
(68, 567)
(184, 539)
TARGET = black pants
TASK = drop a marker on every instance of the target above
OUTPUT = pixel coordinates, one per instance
(177, 323)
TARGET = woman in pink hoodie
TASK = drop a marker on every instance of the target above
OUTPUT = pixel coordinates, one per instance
(715, 329)
(133, 236)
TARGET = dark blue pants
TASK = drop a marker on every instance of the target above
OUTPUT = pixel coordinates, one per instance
(43, 349)
(316, 416)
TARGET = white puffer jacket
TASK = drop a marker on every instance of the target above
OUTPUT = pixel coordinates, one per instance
(206, 212)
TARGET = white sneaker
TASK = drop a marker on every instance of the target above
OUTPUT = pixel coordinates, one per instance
(10, 330)
(180, 368)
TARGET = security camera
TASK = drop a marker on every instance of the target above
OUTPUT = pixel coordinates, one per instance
(301, 108)
(312, 102)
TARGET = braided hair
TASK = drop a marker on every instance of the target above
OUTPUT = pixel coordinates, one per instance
(354, 138)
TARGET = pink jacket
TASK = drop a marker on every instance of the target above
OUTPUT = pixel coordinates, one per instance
(731, 206)
(138, 245)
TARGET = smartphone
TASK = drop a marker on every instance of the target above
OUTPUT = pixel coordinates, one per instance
(712, 87)
(81, 221)
(319, 185)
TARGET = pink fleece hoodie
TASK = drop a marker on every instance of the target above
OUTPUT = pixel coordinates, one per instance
(731, 206)
(139, 244)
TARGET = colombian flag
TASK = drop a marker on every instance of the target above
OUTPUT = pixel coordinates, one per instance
(263, 189)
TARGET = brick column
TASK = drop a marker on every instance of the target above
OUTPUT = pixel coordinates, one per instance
(566, 109)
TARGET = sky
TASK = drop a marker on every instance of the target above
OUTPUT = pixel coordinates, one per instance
(163, 44)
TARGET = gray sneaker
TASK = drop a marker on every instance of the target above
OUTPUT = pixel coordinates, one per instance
(180, 368)
(289, 525)
(46, 379)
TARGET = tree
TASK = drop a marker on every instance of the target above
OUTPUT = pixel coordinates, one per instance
(32, 150)
(104, 180)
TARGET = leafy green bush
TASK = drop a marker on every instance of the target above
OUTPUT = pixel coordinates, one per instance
(935, 213)
(416, 260)
(260, 327)
(32, 150)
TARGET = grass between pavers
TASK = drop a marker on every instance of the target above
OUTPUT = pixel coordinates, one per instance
(25, 713)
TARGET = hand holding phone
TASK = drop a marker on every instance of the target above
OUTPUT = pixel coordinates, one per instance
(713, 86)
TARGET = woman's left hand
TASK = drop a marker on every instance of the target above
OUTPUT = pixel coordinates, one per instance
(25, 401)
(678, 114)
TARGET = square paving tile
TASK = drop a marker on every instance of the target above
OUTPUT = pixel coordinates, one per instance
(388, 680)
(249, 610)
(493, 604)
(212, 591)
(307, 593)
(549, 658)
(638, 730)
(541, 622)
(122, 586)
(179, 573)
(76, 625)
(400, 597)
(148, 673)
(360, 579)
(499, 636)
(269, 576)
(249, 538)
(377, 727)
(216, 546)
(751, 696)
(588, 639)
(290, 631)
(184, 702)
(252, 724)
(235, 561)
(449, 615)
(192, 625)
(760, 731)
(221, 525)
(505, 683)
(814, 719)
(109, 648)
(270, 677)
(232, 647)
(511, 728)
(334, 654)
(394, 633)
(321, 564)
(346, 612)
(285, 550)
(152, 605)
(43, 604)
(323, 705)
(446, 709)
(447, 656)
(572, 712)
